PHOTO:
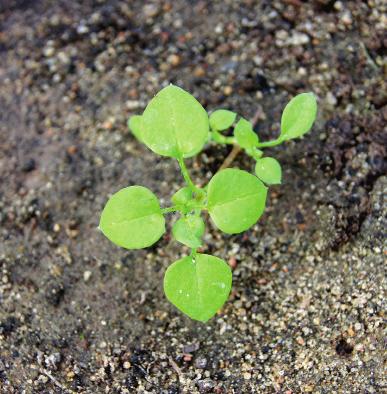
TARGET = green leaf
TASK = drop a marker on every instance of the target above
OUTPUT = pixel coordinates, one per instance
(245, 134)
(175, 124)
(198, 286)
(269, 171)
(132, 218)
(136, 126)
(222, 119)
(235, 200)
(189, 230)
(182, 196)
(298, 116)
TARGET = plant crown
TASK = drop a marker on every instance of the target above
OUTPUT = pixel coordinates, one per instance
(174, 124)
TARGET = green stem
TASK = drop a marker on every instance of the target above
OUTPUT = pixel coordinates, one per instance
(193, 253)
(187, 178)
(230, 140)
(269, 144)
(198, 206)
(254, 153)
(221, 139)
(168, 210)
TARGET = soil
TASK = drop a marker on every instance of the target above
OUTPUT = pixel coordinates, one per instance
(78, 314)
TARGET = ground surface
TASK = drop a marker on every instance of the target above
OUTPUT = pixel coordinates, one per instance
(78, 314)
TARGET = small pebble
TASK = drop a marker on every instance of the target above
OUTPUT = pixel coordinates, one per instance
(232, 262)
(247, 375)
(187, 357)
(174, 60)
(86, 276)
(151, 10)
(29, 165)
(205, 385)
(227, 90)
(199, 72)
(201, 362)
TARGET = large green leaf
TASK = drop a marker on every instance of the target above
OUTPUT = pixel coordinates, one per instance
(174, 123)
(198, 286)
(298, 116)
(236, 200)
(132, 218)
(245, 134)
(222, 119)
(188, 230)
(269, 171)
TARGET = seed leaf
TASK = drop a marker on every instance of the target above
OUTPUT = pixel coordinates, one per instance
(245, 134)
(222, 119)
(132, 218)
(198, 286)
(268, 170)
(298, 116)
(189, 230)
(236, 200)
(175, 124)
(136, 126)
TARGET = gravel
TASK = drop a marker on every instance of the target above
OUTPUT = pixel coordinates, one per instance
(306, 313)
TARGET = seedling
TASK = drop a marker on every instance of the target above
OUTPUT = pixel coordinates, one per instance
(174, 124)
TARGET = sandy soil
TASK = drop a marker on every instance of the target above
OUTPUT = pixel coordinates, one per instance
(78, 314)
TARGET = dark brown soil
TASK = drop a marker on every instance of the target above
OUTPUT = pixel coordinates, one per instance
(78, 314)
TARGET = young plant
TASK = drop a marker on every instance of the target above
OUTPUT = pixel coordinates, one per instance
(174, 124)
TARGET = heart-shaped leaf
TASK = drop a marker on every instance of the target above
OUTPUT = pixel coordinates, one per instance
(222, 119)
(269, 171)
(235, 200)
(298, 116)
(132, 218)
(174, 124)
(198, 286)
(245, 134)
(188, 230)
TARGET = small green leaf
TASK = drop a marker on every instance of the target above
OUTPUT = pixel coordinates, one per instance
(245, 134)
(269, 171)
(235, 200)
(298, 116)
(188, 230)
(182, 196)
(198, 286)
(132, 218)
(222, 119)
(175, 124)
(136, 126)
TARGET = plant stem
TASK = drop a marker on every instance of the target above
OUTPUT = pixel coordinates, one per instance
(269, 144)
(187, 178)
(254, 153)
(236, 149)
(168, 210)
(193, 253)
(197, 207)
(221, 139)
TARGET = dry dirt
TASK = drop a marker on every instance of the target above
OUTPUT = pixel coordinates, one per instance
(307, 309)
